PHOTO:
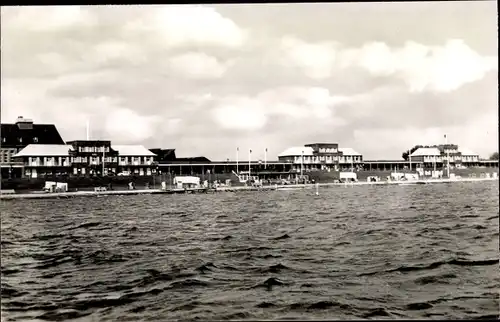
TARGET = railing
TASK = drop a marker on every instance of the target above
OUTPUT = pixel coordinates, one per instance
(136, 163)
(40, 164)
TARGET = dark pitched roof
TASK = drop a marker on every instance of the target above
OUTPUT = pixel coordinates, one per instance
(193, 160)
(15, 136)
(164, 155)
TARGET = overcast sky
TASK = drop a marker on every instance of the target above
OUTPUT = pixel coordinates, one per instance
(376, 77)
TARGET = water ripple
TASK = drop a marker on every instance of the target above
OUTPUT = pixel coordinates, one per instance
(357, 252)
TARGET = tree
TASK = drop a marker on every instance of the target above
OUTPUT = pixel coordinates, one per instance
(494, 156)
(406, 154)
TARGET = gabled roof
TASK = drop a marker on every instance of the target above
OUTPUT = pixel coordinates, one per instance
(164, 154)
(15, 137)
(132, 150)
(465, 151)
(348, 151)
(45, 150)
(297, 151)
(193, 160)
(426, 152)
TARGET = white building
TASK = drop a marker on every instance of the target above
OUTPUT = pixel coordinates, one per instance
(426, 155)
(132, 158)
(322, 156)
(72, 159)
(434, 155)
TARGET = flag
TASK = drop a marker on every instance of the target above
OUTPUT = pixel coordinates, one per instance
(250, 151)
(445, 136)
(266, 149)
(237, 149)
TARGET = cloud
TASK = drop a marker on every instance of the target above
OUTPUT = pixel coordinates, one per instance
(315, 59)
(197, 66)
(252, 113)
(482, 138)
(128, 126)
(240, 114)
(181, 25)
(49, 19)
(423, 68)
(205, 79)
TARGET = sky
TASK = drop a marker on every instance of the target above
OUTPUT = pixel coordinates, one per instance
(376, 77)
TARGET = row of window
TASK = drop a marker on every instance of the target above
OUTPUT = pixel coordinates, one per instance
(327, 158)
(20, 140)
(91, 159)
(440, 159)
(327, 150)
(93, 149)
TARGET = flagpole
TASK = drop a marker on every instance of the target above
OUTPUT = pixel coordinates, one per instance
(447, 155)
(409, 155)
(237, 152)
(265, 159)
(301, 164)
(249, 162)
(103, 151)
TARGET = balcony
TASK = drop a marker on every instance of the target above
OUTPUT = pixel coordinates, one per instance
(48, 164)
(136, 163)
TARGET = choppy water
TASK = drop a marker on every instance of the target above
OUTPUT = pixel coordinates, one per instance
(357, 252)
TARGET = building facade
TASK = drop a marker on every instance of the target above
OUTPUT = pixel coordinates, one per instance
(321, 156)
(86, 158)
(17, 136)
(440, 155)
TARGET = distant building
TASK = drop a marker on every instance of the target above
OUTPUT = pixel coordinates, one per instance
(438, 155)
(167, 156)
(86, 158)
(321, 156)
(15, 137)
(164, 155)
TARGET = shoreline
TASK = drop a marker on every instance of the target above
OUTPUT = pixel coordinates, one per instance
(59, 195)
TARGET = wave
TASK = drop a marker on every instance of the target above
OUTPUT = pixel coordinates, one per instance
(285, 236)
(84, 225)
(270, 283)
(435, 265)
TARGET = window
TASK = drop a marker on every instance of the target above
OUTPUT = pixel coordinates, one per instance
(20, 140)
(3, 140)
(35, 140)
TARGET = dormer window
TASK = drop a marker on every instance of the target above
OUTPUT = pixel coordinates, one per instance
(4, 140)
(20, 140)
(35, 140)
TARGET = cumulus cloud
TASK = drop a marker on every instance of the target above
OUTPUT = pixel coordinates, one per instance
(182, 25)
(48, 19)
(205, 79)
(252, 113)
(315, 59)
(129, 126)
(436, 68)
(423, 68)
(240, 114)
(197, 65)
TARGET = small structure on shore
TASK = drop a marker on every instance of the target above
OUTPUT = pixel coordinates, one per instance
(348, 177)
(52, 186)
(187, 182)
